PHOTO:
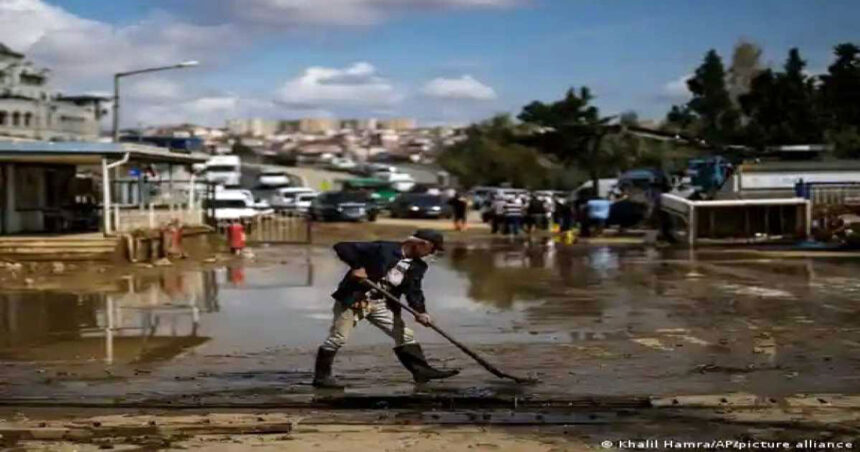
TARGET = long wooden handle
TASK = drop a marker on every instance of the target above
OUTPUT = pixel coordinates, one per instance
(480, 360)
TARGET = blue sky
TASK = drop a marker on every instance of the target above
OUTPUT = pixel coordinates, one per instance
(441, 61)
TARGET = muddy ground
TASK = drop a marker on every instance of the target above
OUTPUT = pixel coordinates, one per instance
(767, 336)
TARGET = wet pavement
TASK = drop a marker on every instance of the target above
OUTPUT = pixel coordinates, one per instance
(618, 323)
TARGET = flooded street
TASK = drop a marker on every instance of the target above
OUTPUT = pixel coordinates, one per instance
(596, 321)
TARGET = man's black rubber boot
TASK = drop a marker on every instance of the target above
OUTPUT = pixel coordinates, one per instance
(322, 370)
(413, 359)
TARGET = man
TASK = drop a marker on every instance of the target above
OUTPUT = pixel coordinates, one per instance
(513, 211)
(498, 209)
(398, 267)
(459, 205)
(535, 213)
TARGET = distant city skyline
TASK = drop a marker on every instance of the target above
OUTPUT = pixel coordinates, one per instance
(438, 61)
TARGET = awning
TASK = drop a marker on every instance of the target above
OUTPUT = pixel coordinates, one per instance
(83, 153)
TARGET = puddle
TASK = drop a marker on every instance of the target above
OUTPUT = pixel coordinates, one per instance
(609, 319)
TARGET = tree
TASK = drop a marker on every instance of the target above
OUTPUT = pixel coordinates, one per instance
(490, 155)
(745, 67)
(629, 119)
(780, 107)
(711, 103)
(570, 130)
(681, 119)
(840, 98)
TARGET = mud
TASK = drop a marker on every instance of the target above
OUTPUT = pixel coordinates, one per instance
(640, 340)
(589, 321)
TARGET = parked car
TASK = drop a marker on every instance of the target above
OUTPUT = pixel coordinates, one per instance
(231, 205)
(273, 179)
(261, 205)
(368, 168)
(380, 191)
(420, 205)
(481, 196)
(343, 206)
(304, 201)
(285, 199)
(399, 181)
(342, 164)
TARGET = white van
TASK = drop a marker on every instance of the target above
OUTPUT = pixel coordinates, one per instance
(289, 198)
(224, 170)
(230, 205)
(273, 179)
(398, 181)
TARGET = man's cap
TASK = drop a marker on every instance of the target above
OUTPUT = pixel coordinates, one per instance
(431, 235)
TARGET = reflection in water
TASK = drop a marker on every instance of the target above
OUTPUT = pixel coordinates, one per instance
(500, 274)
(486, 292)
(236, 275)
(153, 319)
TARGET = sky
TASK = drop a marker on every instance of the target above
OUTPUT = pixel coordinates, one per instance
(439, 61)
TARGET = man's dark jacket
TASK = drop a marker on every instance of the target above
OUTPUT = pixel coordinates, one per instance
(377, 258)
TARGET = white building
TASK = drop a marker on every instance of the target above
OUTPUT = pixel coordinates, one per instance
(29, 109)
(255, 127)
(397, 124)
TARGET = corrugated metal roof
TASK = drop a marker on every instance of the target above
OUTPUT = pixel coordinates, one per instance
(60, 147)
(88, 148)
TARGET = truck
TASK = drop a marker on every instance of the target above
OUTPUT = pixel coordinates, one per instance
(224, 170)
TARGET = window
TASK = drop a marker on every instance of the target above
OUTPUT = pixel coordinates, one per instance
(16, 119)
(224, 204)
(27, 182)
(28, 119)
(3, 115)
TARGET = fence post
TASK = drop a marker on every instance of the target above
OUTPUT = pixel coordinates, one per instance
(191, 192)
(691, 227)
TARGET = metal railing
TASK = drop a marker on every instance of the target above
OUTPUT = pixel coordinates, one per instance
(143, 204)
(829, 193)
(285, 227)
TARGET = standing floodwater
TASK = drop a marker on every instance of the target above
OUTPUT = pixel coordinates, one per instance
(585, 320)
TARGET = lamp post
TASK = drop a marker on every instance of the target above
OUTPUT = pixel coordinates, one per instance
(119, 75)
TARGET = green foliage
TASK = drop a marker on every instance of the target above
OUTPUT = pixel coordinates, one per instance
(571, 131)
(780, 107)
(840, 100)
(629, 119)
(628, 151)
(711, 105)
(840, 87)
(846, 141)
(491, 155)
(777, 107)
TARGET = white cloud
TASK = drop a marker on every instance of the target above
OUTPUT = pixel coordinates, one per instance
(677, 89)
(211, 110)
(355, 86)
(81, 51)
(342, 12)
(464, 88)
(84, 54)
(154, 89)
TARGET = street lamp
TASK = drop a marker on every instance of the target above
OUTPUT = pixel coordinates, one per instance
(119, 75)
